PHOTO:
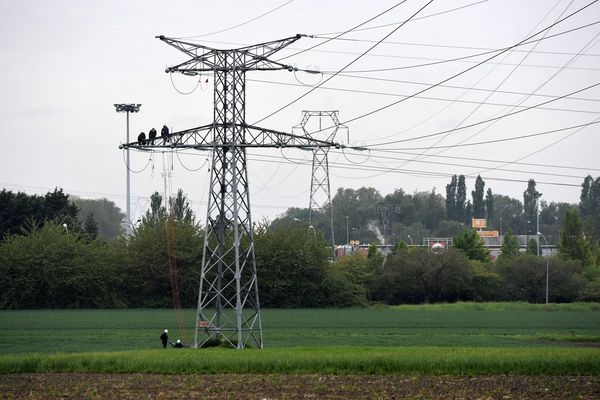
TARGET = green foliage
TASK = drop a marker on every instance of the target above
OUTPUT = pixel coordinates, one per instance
(90, 227)
(461, 199)
(365, 360)
(473, 246)
(477, 194)
(510, 245)
(294, 271)
(157, 213)
(400, 246)
(530, 206)
(182, 212)
(18, 211)
(51, 268)
(420, 276)
(106, 214)
(490, 211)
(485, 282)
(532, 247)
(525, 278)
(451, 198)
(148, 279)
(572, 241)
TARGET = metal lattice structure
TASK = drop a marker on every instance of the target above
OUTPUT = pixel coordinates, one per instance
(320, 189)
(228, 301)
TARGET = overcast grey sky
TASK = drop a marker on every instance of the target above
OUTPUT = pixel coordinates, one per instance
(65, 62)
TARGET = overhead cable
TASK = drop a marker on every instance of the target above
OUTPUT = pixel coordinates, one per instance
(343, 68)
(238, 25)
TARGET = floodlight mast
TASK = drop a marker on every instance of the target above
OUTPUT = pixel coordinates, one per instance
(228, 303)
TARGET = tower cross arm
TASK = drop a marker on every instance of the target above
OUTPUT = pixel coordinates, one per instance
(204, 58)
(203, 137)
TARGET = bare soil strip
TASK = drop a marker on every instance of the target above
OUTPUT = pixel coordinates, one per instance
(277, 386)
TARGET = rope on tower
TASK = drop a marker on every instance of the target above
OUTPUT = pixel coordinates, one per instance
(185, 93)
(189, 169)
(170, 239)
(141, 170)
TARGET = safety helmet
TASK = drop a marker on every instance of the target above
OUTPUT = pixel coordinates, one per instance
(166, 331)
(178, 341)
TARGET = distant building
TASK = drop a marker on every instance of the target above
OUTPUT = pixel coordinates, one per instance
(493, 241)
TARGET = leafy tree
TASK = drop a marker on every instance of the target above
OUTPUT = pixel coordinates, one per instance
(293, 268)
(532, 247)
(508, 214)
(551, 217)
(49, 268)
(157, 212)
(106, 214)
(149, 279)
(451, 211)
(573, 245)
(585, 198)
(468, 213)
(449, 229)
(19, 210)
(181, 209)
(400, 246)
(90, 227)
(510, 245)
(530, 206)
(473, 246)
(485, 283)
(525, 279)
(461, 200)
(420, 276)
(477, 194)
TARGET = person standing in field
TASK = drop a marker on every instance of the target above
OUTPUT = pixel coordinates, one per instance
(164, 338)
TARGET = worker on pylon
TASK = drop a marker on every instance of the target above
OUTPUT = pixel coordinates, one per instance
(164, 133)
(152, 135)
(142, 138)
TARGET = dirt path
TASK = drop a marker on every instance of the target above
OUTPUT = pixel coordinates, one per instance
(146, 386)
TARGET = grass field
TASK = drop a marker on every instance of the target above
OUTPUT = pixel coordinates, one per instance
(511, 338)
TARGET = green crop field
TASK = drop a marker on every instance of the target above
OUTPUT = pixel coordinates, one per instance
(462, 338)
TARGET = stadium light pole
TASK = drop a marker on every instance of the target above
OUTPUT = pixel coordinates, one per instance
(128, 108)
(547, 266)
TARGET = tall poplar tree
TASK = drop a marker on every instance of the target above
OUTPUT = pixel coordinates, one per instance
(477, 194)
(489, 206)
(530, 206)
(451, 198)
(461, 199)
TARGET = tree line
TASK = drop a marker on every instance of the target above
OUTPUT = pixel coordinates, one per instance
(45, 265)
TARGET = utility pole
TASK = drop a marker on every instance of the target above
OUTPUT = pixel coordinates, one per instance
(320, 189)
(128, 108)
(228, 304)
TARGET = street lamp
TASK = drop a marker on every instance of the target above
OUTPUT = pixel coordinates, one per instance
(547, 266)
(128, 108)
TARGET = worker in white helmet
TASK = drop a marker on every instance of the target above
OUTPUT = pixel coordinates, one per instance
(164, 338)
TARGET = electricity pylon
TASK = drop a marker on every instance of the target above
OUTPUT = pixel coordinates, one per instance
(320, 189)
(228, 303)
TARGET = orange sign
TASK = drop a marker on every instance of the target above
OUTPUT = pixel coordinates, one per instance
(488, 233)
(478, 223)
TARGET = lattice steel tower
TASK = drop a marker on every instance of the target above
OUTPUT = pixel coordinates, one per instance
(320, 189)
(228, 303)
